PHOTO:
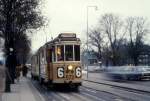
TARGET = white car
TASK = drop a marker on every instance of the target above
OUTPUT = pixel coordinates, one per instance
(129, 72)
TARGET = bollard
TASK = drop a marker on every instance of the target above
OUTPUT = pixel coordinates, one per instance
(2, 81)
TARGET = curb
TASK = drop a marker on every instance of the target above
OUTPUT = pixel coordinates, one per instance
(36, 93)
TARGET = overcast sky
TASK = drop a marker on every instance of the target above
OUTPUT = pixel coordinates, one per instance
(70, 15)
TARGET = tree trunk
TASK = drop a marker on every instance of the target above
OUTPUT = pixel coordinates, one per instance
(114, 62)
(135, 61)
(99, 53)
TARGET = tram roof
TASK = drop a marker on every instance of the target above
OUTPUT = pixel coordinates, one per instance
(64, 37)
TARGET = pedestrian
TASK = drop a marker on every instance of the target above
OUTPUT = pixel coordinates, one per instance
(9, 77)
(25, 70)
(2, 81)
(18, 70)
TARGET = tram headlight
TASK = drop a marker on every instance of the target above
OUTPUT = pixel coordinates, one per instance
(70, 67)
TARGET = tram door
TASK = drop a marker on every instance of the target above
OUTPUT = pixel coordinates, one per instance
(50, 59)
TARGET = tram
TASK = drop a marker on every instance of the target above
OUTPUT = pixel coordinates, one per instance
(58, 61)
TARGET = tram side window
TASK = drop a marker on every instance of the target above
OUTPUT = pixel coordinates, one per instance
(53, 54)
(69, 52)
(37, 61)
(60, 53)
(77, 52)
(50, 55)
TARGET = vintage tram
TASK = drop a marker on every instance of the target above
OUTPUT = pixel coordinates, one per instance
(58, 61)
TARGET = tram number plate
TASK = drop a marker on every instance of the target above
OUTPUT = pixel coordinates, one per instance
(69, 77)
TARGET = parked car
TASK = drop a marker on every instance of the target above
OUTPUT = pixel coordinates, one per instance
(144, 71)
(129, 73)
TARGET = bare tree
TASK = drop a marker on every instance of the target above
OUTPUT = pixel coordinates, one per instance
(137, 29)
(96, 39)
(16, 17)
(22, 47)
(113, 27)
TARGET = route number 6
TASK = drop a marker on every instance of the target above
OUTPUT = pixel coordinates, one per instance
(78, 72)
(60, 72)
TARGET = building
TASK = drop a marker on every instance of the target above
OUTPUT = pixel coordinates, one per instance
(89, 58)
(144, 58)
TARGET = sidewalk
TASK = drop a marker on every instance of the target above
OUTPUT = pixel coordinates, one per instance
(23, 91)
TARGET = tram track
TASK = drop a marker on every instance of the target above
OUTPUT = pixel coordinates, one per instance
(82, 95)
(89, 93)
(54, 95)
(120, 87)
(58, 96)
(121, 98)
(119, 91)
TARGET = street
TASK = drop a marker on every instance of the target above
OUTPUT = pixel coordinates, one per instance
(91, 91)
(102, 76)
(84, 94)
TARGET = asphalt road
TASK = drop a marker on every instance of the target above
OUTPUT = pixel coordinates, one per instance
(84, 94)
(102, 76)
(91, 92)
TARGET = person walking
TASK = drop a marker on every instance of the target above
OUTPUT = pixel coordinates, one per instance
(25, 70)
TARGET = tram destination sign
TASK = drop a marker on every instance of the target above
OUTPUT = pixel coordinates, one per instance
(67, 35)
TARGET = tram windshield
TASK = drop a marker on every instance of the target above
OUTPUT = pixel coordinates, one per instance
(65, 53)
(77, 52)
(69, 52)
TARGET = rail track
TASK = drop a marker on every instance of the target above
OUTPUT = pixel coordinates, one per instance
(139, 94)
(90, 93)
(120, 87)
(84, 94)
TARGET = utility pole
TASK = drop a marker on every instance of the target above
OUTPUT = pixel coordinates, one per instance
(88, 33)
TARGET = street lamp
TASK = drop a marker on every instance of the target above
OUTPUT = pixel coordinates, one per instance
(96, 8)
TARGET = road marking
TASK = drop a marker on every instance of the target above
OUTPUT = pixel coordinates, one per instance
(97, 98)
(91, 90)
(117, 99)
(57, 96)
(64, 95)
(83, 98)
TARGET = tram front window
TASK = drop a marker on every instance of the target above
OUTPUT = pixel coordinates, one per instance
(77, 52)
(60, 53)
(69, 52)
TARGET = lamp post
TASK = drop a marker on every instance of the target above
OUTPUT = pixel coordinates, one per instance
(88, 32)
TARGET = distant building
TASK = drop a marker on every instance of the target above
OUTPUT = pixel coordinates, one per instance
(144, 58)
(89, 58)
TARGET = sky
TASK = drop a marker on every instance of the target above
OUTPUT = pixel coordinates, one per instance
(71, 16)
